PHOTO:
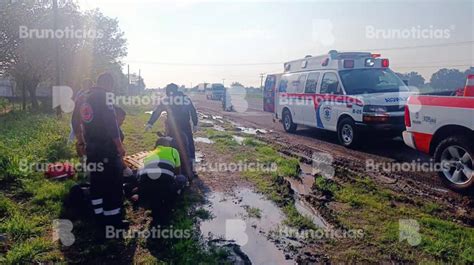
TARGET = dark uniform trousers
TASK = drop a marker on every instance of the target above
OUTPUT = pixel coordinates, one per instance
(106, 189)
(100, 129)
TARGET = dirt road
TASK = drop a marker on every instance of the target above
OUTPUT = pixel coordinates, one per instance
(388, 152)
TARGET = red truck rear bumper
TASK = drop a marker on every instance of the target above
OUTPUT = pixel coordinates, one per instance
(419, 141)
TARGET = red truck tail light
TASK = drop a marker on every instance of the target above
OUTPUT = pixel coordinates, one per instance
(385, 63)
(407, 117)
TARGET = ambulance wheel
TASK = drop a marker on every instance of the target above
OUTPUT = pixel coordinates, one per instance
(455, 155)
(347, 133)
(288, 123)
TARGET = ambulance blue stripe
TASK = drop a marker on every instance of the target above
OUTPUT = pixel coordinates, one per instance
(319, 122)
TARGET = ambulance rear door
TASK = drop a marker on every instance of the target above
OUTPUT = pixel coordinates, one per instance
(269, 93)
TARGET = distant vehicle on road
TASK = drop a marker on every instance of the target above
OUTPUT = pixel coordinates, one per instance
(215, 92)
(201, 88)
(444, 128)
(349, 93)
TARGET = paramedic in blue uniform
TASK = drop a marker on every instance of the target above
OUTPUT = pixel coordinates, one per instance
(103, 147)
(180, 112)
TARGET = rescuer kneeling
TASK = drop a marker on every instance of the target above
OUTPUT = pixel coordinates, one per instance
(160, 180)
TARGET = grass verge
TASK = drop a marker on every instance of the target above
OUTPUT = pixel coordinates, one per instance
(384, 215)
(29, 203)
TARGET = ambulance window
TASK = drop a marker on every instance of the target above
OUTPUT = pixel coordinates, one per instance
(270, 83)
(283, 84)
(330, 84)
(300, 87)
(312, 83)
(293, 83)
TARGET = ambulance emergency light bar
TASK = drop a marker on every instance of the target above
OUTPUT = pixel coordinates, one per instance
(369, 62)
(350, 57)
(337, 60)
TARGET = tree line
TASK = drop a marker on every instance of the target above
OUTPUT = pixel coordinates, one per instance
(29, 34)
(442, 80)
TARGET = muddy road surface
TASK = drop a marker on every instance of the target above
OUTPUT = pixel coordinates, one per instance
(292, 215)
(383, 153)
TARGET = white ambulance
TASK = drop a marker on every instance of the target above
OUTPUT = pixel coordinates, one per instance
(350, 93)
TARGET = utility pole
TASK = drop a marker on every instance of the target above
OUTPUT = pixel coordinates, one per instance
(56, 52)
(223, 79)
(139, 81)
(13, 86)
(262, 75)
(128, 78)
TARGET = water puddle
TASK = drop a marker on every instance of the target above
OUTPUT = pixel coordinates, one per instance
(233, 123)
(216, 117)
(440, 190)
(252, 130)
(219, 128)
(199, 157)
(245, 217)
(206, 121)
(239, 139)
(202, 115)
(203, 140)
(302, 186)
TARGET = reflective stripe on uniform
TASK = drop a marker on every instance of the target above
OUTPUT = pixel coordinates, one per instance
(112, 212)
(98, 210)
(156, 173)
(153, 163)
(97, 201)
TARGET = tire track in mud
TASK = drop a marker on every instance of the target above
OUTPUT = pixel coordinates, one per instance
(459, 206)
(423, 186)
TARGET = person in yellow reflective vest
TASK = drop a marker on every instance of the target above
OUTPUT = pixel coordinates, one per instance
(160, 179)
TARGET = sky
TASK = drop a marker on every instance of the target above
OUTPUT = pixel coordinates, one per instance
(191, 42)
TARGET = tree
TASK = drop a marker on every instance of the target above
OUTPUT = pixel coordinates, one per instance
(448, 79)
(236, 84)
(23, 58)
(30, 60)
(413, 78)
(469, 71)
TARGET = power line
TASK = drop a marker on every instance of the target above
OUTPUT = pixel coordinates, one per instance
(201, 64)
(433, 66)
(280, 63)
(421, 46)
